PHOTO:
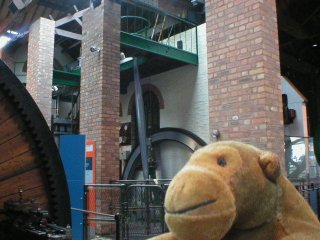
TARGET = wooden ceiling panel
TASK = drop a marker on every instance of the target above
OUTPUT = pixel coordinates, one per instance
(4, 9)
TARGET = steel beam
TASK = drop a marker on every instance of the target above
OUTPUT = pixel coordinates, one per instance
(72, 46)
(66, 78)
(73, 78)
(141, 122)
(142, 43)
(299, 66)
(73, 17)
(68, 34)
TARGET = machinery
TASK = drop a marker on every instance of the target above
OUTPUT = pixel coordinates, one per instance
(168, 145)
(151, 158)
(34, 198)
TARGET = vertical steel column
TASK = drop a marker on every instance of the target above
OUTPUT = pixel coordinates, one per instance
(140, 119)
(117, 217)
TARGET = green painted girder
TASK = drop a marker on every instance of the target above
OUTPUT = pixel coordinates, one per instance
(66, 78)
(147, 45)
(73, 78)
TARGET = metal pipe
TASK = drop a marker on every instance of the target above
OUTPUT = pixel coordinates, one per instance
(155, 25)
(141, 122)
(104, 185)
(118, 222)
(163, 23)
(92, 212)
(169, 35)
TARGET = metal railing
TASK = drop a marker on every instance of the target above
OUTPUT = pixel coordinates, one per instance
(157, 25)
(103, 204)
(311, 193)
(139, 205)
(134, 209)
(95, 221)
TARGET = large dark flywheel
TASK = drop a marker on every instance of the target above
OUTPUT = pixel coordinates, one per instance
(180, 144)
(29, 158)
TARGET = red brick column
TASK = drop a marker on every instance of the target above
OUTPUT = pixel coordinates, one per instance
(40, 64)
(244, 72)
(100, 87)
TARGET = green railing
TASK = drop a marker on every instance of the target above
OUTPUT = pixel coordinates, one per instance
(154, 24)
(152, 30)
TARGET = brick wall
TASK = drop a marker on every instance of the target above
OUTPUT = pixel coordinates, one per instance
(40, 64)
(100, 87)
(187, 108)
(244, 72)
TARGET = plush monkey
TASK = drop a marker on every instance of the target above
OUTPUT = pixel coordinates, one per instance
(233, 191)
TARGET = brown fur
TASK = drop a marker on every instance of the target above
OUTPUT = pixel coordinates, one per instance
(234, 191)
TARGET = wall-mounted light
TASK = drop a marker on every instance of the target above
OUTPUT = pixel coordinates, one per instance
(13, 32)
(216, 134)
(124, 59)
(55, 88)
(95, 49)
(122, 56)
(127, 59)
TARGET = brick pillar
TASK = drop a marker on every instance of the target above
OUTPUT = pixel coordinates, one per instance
(40, 64)
(244, 72)
(100, 87)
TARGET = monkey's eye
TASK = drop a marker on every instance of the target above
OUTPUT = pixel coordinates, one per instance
(222, 162)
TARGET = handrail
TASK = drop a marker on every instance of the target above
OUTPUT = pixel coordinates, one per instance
(158, 10)
(136, 17)
(148, 25)
(143, 181)
(105, 185)
(112, 218)
(152, 29)
(92, 212)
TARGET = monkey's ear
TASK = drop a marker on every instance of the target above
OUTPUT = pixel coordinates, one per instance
(270, 165)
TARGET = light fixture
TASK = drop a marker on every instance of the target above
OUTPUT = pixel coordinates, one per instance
(12, 32)
(216, 134)
(94, 49)
(315, 45)
(4, 40)
(122, 56)
(196, 2)
(55, 88)
(127, 59)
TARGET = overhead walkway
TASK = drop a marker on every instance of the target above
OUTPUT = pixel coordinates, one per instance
(162, 41)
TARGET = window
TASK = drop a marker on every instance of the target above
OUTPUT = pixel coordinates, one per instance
(152, 117)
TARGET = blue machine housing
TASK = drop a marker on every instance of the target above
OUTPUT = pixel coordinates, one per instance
(72, 151)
